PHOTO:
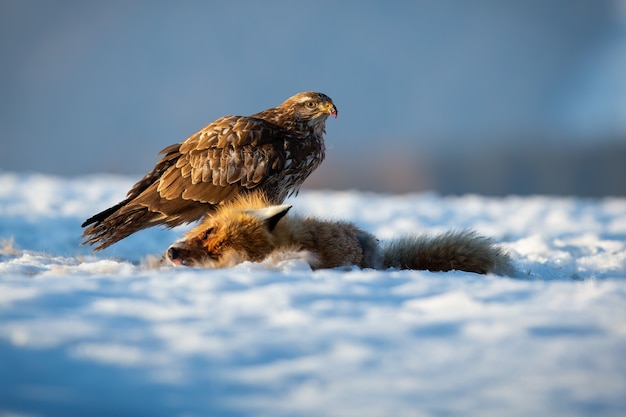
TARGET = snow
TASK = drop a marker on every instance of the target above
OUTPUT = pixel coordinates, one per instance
(108, 334)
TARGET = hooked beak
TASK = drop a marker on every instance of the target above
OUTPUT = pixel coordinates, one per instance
(330, 108)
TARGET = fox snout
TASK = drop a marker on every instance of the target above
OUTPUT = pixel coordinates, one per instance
(181, 253)
(192, 253)
(175, 255)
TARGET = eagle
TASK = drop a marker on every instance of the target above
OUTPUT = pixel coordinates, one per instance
(271, 152)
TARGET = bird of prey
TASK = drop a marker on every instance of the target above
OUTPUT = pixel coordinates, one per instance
(272, 152)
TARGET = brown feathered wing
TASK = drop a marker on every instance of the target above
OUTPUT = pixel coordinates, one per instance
(232, 155)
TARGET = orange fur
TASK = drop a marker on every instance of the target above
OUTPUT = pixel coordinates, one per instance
(249, 229)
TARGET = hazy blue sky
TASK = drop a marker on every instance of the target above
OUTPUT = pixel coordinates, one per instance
(95, 86)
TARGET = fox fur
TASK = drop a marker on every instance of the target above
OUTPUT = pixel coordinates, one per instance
(249, 229)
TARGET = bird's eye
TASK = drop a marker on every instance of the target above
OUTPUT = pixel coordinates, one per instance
(310, 104)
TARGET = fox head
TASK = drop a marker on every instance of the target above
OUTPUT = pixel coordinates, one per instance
(228, 238)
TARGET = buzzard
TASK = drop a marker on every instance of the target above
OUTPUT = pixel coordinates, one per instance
(273, 152)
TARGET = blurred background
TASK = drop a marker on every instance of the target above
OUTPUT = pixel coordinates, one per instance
(490, 97)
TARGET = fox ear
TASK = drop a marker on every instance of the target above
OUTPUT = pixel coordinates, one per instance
(270, 215)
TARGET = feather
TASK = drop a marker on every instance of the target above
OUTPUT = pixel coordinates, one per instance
(271, 152)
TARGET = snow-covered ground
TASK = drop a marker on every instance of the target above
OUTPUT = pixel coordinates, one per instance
(105, 335)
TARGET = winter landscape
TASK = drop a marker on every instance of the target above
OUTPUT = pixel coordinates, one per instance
(520, 100)
(106, 334)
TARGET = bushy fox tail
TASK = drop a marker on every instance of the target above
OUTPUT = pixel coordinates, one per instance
(460, 250)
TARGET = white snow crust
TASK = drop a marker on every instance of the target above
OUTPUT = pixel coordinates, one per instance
(106, 334)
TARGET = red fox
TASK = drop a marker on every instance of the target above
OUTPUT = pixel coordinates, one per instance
(249, 229)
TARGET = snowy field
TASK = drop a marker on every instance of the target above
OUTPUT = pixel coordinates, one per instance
(106, 335)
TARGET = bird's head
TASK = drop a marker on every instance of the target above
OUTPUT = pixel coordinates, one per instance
(308, 111)
(311, 105)
(303, 112)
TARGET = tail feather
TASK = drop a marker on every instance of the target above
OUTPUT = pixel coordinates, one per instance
(134, 214)
(107, 227)
(100, 217)
(464, 251)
